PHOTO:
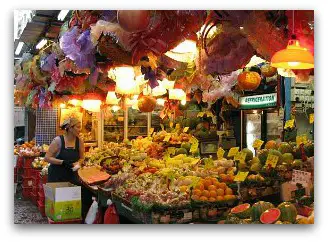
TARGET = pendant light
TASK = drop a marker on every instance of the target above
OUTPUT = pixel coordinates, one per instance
(294, 56)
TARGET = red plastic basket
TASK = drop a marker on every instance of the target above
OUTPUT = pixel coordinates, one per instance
(43, 179)
(20, 162)
(41, 197)
(34, 198)
(28, 162)
(28, 181)
(73, 221)
(35, 189)
(28, 172)
(27, 192)
(35, 173)
(41, 208)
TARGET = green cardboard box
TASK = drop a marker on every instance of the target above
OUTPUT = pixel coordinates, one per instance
(62, 201)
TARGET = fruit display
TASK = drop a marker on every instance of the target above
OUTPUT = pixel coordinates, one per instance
(93, 175)
(39, 163)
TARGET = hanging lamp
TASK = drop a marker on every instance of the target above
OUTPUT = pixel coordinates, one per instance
(91, 102)
(294, 56)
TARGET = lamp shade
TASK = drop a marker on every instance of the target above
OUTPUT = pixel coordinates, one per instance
(184, 52)
(159, 90)
(293, 57)
(111, 98)
(177, 94)
(168, 84)
(124, 77)
(92, 102)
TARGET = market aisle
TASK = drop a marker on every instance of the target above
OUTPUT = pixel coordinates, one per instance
(27, 213)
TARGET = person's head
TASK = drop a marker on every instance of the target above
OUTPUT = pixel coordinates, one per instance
(72, 125)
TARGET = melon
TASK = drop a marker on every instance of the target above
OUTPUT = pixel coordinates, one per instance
(271, 144)
(254, 160)
(297, 164)
(288, 212)
(249, 154)
(270, 216)
(258, 208)
(256, 167)
(181, 151)
(232, 219)
(263, 155)
(276, 153)
(288, 158)
(186, 146)
(284, 147)
(242, 211)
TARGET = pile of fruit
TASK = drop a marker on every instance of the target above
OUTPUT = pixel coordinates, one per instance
(266, 213)
(39, 163)
(28, 149)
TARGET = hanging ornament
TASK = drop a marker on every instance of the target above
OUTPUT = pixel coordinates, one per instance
(268, 71)
(133, 20)
(146, 104)
(249, 80)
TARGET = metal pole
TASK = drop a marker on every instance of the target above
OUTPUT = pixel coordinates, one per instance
(148, 123)
(126, 120)
(241, 129)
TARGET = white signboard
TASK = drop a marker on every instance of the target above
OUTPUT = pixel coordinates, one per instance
(258, 101)
(301, 177)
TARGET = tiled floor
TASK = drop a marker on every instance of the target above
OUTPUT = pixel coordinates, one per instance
(27, 213)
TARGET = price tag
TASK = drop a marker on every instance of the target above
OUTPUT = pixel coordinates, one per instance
(241, 176)
(187, 216)
(209, 114)
(220, 153)
(171, 150)
(185, 129)
(233, 151)
(302, 139)
(257, 144)
(167, 138)
(301, 177)
(289, 124)
(151, 130)
(208, 163)
(177, 126)
(272, 160)
(171, 124)
(311, 118)
(162, 127)
(241, 156)
(200, 114)
(193, 140)
(194, 147)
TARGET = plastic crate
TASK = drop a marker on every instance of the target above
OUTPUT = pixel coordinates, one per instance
(41, 197)
(28, 162)
(35, 173)
(74, 221)
(28, 181)
(26, 192)
(27, 172)
(20, 162)
(43, 179)
(41, 208)
(34, 198)
(35, 189)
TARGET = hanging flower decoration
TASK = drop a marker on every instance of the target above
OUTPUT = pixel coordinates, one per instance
(78, 47)
(36, 74)
(48, 62)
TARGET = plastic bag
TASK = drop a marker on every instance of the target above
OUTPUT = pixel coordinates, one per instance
(111, 216)
(92, 213)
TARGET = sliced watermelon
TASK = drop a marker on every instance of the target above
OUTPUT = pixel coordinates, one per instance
(242, 211)
(270, 216)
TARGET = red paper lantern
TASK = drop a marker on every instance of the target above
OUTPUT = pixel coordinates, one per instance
(249, 80)
(133, 20)
(146, 104)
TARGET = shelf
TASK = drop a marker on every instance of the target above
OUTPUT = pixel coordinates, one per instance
(131, 126)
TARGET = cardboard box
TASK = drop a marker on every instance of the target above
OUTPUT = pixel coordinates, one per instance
(62, 201)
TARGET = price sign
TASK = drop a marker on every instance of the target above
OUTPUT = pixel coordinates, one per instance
(162, 127)
(272, 160)
(233, 151)
(302, 139)
(177, 126)
(311, 118)
(171, 150)
(241, 176)
(187, 216)
(185, 129)
(289, 124)
(257, 144)
(209, 114)
(220, 153)
(151, 130)
(167, 138)
(171, 124)
(301, 177)
(194, 147)
(193, 140)
(208, 163)
(200, 114)
(241, 156)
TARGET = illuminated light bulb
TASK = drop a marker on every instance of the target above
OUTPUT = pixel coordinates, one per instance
(160, 101)
(116, 108)
(293, 63)
(168, 84)
(112, 99)
(183, 102)
(75, 102)
(177, 94)
(159, 90)
(62, 105)
(124, 78)
(91, 105)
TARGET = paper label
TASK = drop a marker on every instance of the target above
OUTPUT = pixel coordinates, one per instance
(301, 177)
(311, 118)
(167, 138)
(220, 153)
(193, 140)
(241, 156)
(209, 114)
(200, 114)
(241, 176)
(257, 144)
(185, 129)
(171, 124)
(187, 216)
(289, 124)
(302, 139)
(272, 160)
(233, 151)
(194, 147)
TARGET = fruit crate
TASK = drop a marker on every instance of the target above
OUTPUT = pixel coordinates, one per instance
(74, 221)
(34, 198)
(43, 179)
(41, 208)
(27, 172)
(20, 162)
(35, 189)
(26, 192)
(28, 181)
(28, 161)
(41, 197)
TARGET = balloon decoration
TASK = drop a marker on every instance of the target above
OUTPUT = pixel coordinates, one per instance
(249, 80)
(146, 104)
(133, 20)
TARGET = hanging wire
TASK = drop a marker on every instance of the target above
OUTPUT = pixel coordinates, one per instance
(293, 22)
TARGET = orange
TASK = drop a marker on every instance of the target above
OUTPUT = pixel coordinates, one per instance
(197, 192)
(183, 188)
(211, 188)
(200, 186)
(195, 197)
(207, 183)
(216, 184)
(220, 192)
(206, 193)
(229, 197)
(202, 198)
(212, 199)
(228, 191)
(219, 198)
(223, 177)
(214, 180)
(222, 185)
(213, 194)
(231, 177)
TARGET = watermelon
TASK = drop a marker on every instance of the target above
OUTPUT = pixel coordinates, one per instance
(263, 155)
(249, 154)
(297, 164)
(270, 216)
(285, 148)
(288, 212)
(232, 219)
(242, 211)
(287, 158)
(256, 167)
(271, 144)
(258, 208)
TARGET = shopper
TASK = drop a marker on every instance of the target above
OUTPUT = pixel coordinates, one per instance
(64, 154)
